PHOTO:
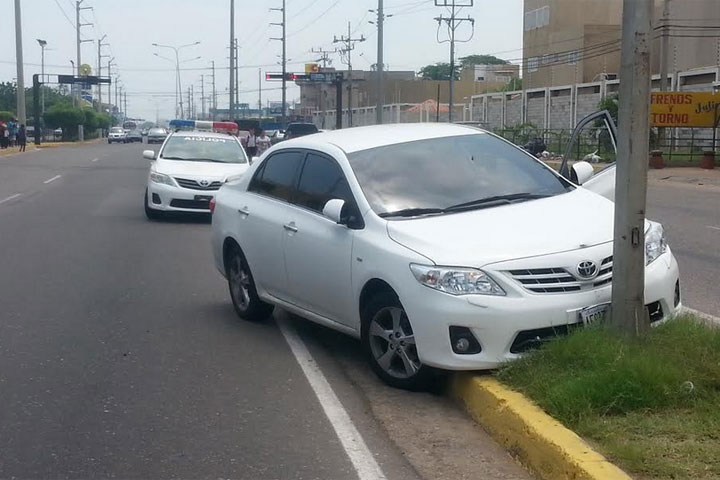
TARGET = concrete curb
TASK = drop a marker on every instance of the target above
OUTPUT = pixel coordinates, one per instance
(541, 443)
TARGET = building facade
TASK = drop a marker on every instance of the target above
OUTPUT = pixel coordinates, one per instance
(578, 41)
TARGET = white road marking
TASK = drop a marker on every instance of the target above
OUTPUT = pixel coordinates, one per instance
(49, 180)
(351, 440)
(94, 160)
(11, 197)
(714, 228)
(705, 316)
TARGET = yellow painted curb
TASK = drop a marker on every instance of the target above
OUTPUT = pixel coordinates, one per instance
(545, 446)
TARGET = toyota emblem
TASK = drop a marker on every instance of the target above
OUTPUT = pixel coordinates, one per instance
(204, 183)
(587, 269)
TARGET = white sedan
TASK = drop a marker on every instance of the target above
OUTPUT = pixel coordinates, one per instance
(189, 170)
(438, 245)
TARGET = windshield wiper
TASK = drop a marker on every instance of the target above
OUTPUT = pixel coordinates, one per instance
(496, 200)
(178, 158)
(412, 212)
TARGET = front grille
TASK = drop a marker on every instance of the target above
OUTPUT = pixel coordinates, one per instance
(560, 280)
(529, 339)
(194, 185)
(190, 204)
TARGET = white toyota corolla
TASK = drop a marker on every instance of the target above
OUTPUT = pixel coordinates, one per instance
(189, 170)
(438, 245)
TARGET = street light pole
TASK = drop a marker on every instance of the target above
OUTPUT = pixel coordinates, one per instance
(178, 83)
(22, 118)
(42, 44)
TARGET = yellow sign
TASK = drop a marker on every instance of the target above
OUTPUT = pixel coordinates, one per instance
(311, 68)
(684, 109)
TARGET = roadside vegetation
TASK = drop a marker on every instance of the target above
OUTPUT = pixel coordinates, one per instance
(651, 405)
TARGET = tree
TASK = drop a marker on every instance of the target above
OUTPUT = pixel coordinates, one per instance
(91, 121)
(5, 116)
(471, 60)
(610, 103)
(513, 84)
(66, 117)
(438, 71)
(104, 121)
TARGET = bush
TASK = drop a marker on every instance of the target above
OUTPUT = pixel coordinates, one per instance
(5, 116)
(66, 117)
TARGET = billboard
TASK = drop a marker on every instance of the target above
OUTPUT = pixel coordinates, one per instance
(684, 109)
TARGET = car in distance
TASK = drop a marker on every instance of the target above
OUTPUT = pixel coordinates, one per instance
(134, 136)
(189, 170)
(275, 136)
(459, 264)
(295, 130)
(156, 135)
(117, 135)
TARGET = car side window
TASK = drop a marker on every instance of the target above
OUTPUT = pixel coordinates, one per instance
(276, 176)
(321, 180)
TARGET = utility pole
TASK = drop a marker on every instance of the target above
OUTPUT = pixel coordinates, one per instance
(324, 56)
(452, 24)
(125, 110)
(237, 74)
(202, 97)
(232, 60)
(20, 97)
(380, 103)
(349, 43)
(260, 92)
(110, 63)
(283, 39)
(628, 305)
(99, 72)
(214, 94)
(78, 65)
(42, 44)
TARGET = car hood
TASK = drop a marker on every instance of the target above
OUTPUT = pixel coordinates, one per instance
(570, 221)
(199, 170)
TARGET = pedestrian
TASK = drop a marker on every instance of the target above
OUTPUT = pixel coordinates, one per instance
(263, 142)
(13, 130)
(5, 138)
(251, 144)
(22, 138)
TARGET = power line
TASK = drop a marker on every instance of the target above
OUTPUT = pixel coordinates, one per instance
(314, 20)
(65, 14)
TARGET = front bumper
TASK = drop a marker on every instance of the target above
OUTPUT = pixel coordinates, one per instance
(498, 322)
(168, 198)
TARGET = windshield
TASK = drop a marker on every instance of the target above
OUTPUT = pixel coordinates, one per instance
(443, 173)
(156, 131)
(116, 130)
(203, 149)
(302, 128)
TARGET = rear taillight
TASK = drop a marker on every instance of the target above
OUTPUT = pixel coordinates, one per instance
(212, 205)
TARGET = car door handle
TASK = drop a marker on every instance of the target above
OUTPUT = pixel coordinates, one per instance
(290, 227)
(244, 211)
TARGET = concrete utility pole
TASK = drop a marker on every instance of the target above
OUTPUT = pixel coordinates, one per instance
(380, 103)
(628, 305)
(42, 44)
(452, 24)
(20, 97)
(283, 39)
(110, 63)
(237, 74)
(664, 53)
(260, 92)
(324, 56)
(78, 65)
(99, 72)
(232, 60)
(214, 94)
(349, 43)
(202, 97)
(125, 110)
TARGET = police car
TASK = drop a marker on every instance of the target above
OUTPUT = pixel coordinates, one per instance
(191, 166)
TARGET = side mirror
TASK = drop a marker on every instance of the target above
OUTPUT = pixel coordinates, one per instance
(333, 210)
(149, 154)
(581, 172)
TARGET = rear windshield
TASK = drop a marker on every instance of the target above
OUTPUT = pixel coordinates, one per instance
(116, 130)
(302, 129)
(156, 130)
(198, 148)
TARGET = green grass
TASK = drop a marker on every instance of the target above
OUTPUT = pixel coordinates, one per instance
(652, 405)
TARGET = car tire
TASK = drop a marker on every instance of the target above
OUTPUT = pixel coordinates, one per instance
(389, 344)
(151, 213)
(243, 293)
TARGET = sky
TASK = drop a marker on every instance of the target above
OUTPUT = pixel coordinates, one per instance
(132, 26)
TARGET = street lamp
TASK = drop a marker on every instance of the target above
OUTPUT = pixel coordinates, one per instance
(178, 83)
(42, 44)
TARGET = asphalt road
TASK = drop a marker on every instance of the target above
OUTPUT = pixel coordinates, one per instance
(690, 214)
(121, 356)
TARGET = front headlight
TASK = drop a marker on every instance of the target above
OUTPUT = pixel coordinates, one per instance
(655, 244)
(456, 281)
(161, 178)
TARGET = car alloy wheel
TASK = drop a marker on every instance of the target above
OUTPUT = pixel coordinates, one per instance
(239, 283)
(392, 343)
(243, 293)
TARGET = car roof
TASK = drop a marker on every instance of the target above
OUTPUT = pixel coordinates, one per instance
(203, 133)
(364, 138)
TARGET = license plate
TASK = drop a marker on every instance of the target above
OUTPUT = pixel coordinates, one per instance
(203, 198)
(594, 314)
